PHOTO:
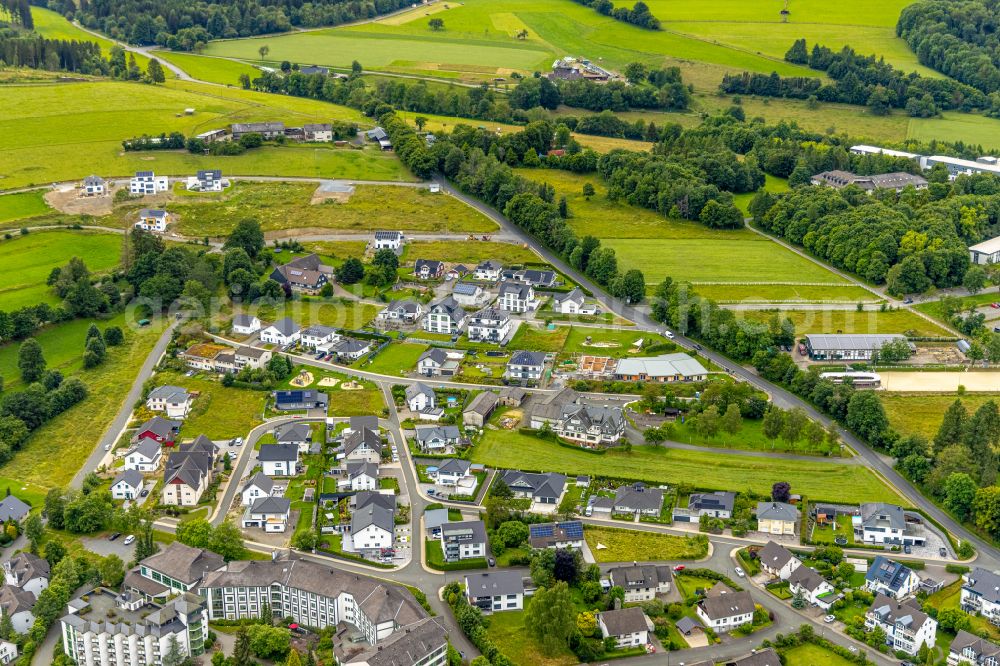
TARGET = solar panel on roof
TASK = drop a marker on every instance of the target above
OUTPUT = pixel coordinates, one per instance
(574, 530)
(545, 530)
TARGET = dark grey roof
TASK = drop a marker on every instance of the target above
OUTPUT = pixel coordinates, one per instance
(767, 657)
(250, 352)
(489, 264)
(152, 212)
(428, 432)
(475, 528)
(609, 420)
(891, 574)
(454, 466)
(576, 295)
(520, 289)
(190, 465)
(450, 307)
(722, 602)
(293, 432)
(385, 235)
(243, 320)
(168, 392)
(527, 358)
(776, 511)
(548, 484)
(640, 576)
(405, 306)
(875, 513)
(356, 469)
(406, 646)
(147, 448)
(12, 508)
(466, 288)
(806, 577)
(982, 582)
(979, 646)
(905, 613)
(419, 388)
(351, 346)
(435, 518)
(686, 625)
(278, 452)
(93, 180)
(366, 497)
(260, 480)
(372, 514)
(774, 555)
(369, 438)
(209, 174)
(131, 477)
(160, 426)
(637, 497)
(483, 404)
(491, 315)
(494, 583)
(431, 265)
(367, 421)
(318, 331)
(435, 354)
(285, 326)
(261, 127)
(625, 621)
(271, 505)
(719, 501)
(25, 566)
(184, 563)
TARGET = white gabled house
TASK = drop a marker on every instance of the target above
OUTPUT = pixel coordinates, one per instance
(439, 362)
(260, 485)
(268, 513)
(906, 626)
(174, 401)
(282, 332)
(360, 476)
(981, 594)
(245, 324)
(363, 444)
(629, 626)
(777, 560)
(569, 303)
(27, 572)
(723, 610)
(517, 297)
(891, 578)
(419, 397)
(127, 485)
(488, 271)
(812, 586)
(319, 337)
(372, 528)
(445, 316)
(389, 240)
(144, 456)
(279, 459)
(489, 325)
(93, 186)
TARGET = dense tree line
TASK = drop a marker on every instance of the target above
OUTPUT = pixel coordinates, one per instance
(639, 15)
(658, 89)
(17, 11)
(857, 79)
(186, 25)
(957, 38)
(21, 49)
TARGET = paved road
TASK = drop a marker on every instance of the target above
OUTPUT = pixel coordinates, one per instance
(121, 419)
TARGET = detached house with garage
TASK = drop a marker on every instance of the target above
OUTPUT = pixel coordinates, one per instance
(453, 471)
(542, 488)
(463, 541)
(445, 316)
(881, 523)
(532, 276)
(438, 362)
(401, 312)
(723, 610)
(489, 325)
(468, 294)
(300, 399)
(360, 476)
(363, 444)
(591, 425)
(718, 504)
(279, 459)
(495, 591)
(260, 485)
(173, 401)
(268, 513)
(207, 180)
(436, 438)
(373, 528)
(251, 357)
(569, 303)
(777, 560)
(517, 297)
(628, 626)
(812, 586)
(638, 500)
(305, 274)
(144, 457)
(158, 429)
(282, 332)
(296, 434)
(319, 337)
(420, 397)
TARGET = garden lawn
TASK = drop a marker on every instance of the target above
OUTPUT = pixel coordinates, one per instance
(346, 314)
(219, 412)
(531, 338)
(22, 205)
(630, 545)
(922, 413)
(65, 131)
(620, 341)
(26, 261)
(950, 597)
(508, 632)
(843, 527)
(55, 452)
(852, 321)
(396, 359)
(470, 253)
(810, 654)
(689, 585)
(821, 480)
(355, 403)
(280, 206)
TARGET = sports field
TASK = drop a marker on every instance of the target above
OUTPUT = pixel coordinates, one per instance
(683, 250)
(280, 206)
(64, 131)
(26, 261)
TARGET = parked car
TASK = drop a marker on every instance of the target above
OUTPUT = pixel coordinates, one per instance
(829, 618)
(907, 301)
(679, 567)
(491, 562)
(697, 346)
(995, 305)
(114, 536)
(129, 539)
(668, 334)
(320, 356)
(943, 552)
(739, 572)
(239, 441)
(144, 493)
(107, 447)
(907, 549)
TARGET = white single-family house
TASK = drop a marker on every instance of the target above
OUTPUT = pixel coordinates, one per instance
(628, 626)
(245, 324)
(282, 332)
(260, 485)
(419, 397)
(279, 459)
(152, 219)
(144, 456)
(147, 182)
(174, 401)
(127, 485)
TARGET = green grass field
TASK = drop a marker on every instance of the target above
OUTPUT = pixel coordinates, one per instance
(396, 359)
(683, 250)
(469, 253)
(218, 412)
(785, 293)
(809, 654)
(65, 131)
(349, 315)
(921, 413)
(23, 205)
(509, 633)
(630, 545)
(53, 25)
(280, 206)
(934, 309)
(216, 70)
(26, 261)
(56, 451)
(831, 480)
(851, 321)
